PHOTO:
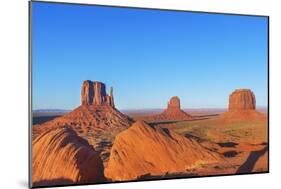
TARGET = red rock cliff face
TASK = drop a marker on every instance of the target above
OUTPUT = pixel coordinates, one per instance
(94, 93)
(242, 107)
(242, 99)
(87, 92)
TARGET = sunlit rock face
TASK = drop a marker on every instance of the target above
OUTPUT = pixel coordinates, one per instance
(94, 93)
(242, 99)
(60, 156)
(143, 149)
(242, 107)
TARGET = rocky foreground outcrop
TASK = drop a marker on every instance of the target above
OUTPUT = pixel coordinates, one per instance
(242, 107)
(94, 93)
(145, 150)
(61, 157)
(173, 112)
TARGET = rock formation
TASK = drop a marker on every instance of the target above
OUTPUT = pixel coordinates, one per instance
(242, 99)
(87, 118)
(242, 107)
(96, 113)
(87, 92)
(61, 157)
(174, 104)
(143, 149)
(94, 93)
(96, 120)
(173, 112)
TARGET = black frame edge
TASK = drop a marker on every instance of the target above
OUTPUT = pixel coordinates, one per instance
(29, 95)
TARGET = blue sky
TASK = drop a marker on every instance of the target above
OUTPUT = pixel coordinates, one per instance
(147, 56)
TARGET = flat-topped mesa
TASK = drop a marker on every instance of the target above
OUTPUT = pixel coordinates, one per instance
(242, 107)
(94, 93)
(242, 99)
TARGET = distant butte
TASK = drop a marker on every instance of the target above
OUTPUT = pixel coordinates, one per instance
(173, 112)
(242, 107)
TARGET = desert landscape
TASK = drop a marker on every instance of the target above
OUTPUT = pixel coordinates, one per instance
(97, 143)
(129, 94)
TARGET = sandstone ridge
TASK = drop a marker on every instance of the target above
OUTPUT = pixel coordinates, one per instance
(61, 157)
(143, 149)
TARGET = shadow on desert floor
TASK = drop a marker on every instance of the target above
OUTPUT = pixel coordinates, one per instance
(155, 123)
(206, 115)
(53, 182)
(251, 160)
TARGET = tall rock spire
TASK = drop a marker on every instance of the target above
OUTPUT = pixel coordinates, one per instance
(111, 97)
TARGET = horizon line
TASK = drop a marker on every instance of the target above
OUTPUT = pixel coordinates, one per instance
(127, 109)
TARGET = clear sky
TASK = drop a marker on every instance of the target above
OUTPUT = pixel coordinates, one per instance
(147, 56)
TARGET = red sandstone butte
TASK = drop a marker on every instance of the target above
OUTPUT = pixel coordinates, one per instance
(173, 112)
(94, 93)
(60, 157)
(242, 107)
(96, 112)
(242, 99)
(144, 150)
